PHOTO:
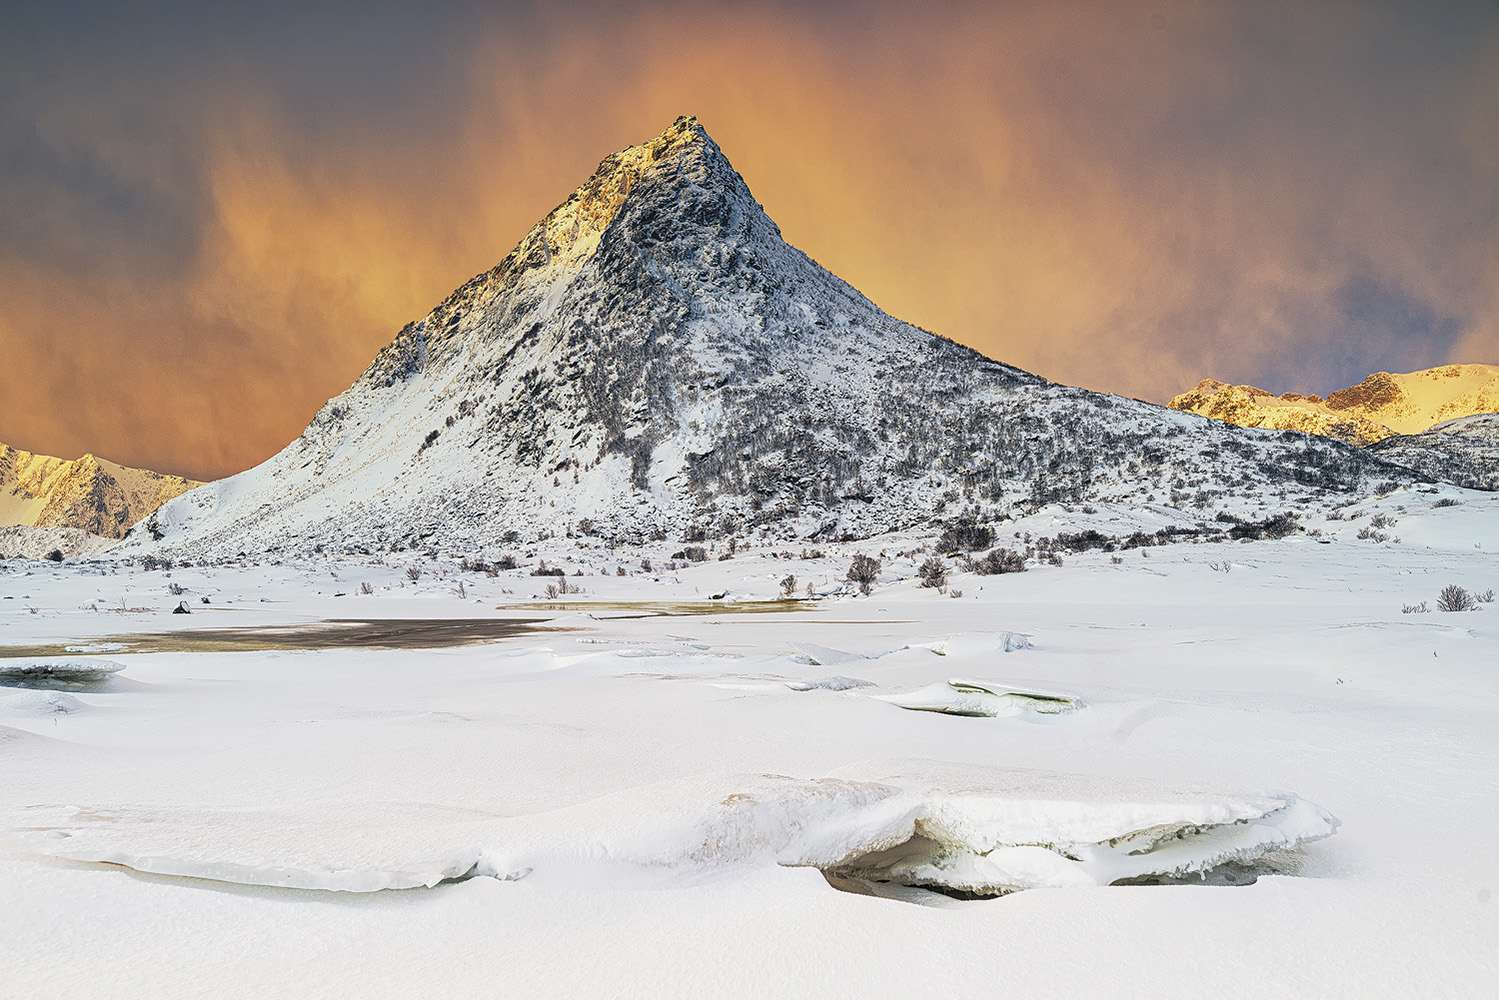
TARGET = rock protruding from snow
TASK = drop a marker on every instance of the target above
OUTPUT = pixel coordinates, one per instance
(654, 360)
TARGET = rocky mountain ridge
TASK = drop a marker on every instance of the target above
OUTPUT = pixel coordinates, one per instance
(89, 493)
(1381, 405)
(653, 360)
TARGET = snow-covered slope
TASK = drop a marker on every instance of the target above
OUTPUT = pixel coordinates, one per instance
(653, 360)
(89, 493)
(1380, 405)
(1464, 452)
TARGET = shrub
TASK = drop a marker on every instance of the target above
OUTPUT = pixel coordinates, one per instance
(1455, 598)
(1082, 541)
(933, 573)
(692, 553)
(1415, 609)
(1487, 596)
(1446, 502)
(542, 569)
(366, 589)
(504, 562)
(413, 573)
(964, 536)
(864, 570)
(176, 589)
(55, 555)
(998, 561)
(788, 585)
(1278, 526)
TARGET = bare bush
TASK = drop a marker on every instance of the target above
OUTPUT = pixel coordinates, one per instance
(692, 553)
(1446, 502)
(788, 585)
(997, 561)
(964, 536)
(413, 573)
(933, 573)
(1415, 609)
(366, 589)
(864, 570)
(1487, 597)
(1455, 598)
(176, 589)
(542, 569)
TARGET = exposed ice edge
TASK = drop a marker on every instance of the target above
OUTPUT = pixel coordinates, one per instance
(988, 833)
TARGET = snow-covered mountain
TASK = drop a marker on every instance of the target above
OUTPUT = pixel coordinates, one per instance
(89, 493)
(654, 360)
(1380, 405)
(1464, 452)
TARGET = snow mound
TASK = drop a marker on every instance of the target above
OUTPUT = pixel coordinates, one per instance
(984, 832)
(38, 703)
(981, 698)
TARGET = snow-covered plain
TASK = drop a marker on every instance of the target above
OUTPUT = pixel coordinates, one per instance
(639, 793)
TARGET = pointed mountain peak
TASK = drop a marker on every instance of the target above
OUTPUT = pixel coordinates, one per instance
(682, 166)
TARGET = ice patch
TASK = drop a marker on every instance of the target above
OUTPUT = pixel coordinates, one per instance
(985, 699)
(958, 830)
(834, 683)
(72, 670)
(977, 644)
(64, 674)
(825, 656)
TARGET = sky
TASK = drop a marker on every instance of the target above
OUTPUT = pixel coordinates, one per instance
(212, 216)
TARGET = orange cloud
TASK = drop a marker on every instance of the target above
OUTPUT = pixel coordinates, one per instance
(1128, 200)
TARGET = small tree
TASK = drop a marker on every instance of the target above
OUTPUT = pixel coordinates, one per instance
(933, 573)
(864, 570)
(788, 586)
(55, 555)
(1455, 598)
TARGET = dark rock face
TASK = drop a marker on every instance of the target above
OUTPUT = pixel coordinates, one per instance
(654, 360)
(1378, 390)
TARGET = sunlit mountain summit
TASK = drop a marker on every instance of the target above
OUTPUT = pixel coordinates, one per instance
(654, 360)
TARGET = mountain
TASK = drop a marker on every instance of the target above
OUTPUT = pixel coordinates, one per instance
(653, 360)
(1380, 405)
(1464, 452)
(89, 493)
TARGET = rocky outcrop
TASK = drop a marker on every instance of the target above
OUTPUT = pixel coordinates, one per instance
(90, 494)
(1381, 405)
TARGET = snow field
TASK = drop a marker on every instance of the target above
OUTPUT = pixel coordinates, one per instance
(657, 775)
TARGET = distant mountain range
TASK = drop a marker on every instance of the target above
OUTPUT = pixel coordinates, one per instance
(1381, 405)
(653, 360)
(89, 494)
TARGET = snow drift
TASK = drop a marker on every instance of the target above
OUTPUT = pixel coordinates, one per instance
(968, 830)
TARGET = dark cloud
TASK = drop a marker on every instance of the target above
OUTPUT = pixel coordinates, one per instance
(211, 216)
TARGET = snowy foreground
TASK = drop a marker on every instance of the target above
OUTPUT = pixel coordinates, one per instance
(655, 790)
